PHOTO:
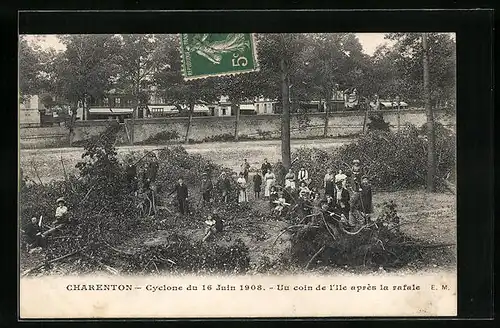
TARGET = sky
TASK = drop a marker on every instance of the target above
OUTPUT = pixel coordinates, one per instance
(369, 41)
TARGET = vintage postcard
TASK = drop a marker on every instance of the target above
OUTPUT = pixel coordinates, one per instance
(156, 181)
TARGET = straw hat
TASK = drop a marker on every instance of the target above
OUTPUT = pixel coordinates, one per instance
(60, 199)
(356, 161)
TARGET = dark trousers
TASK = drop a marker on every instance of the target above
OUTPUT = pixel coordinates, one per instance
(206, 196)
(182, 205)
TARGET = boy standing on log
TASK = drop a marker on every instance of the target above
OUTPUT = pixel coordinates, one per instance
(341, 199)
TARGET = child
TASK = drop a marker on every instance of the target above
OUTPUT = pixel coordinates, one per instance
(273, 196)
(214, 225)
(280, 204)
(257, 183)
(61, 211)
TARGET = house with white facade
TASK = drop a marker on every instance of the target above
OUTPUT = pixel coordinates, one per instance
(30, 111)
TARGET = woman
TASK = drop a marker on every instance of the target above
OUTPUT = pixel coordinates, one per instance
(257, 182)
(328, 183)
(290, 179)
(269, 179)
(242, 184)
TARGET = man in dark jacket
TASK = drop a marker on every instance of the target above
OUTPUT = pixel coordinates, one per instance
(266, 166)
(366, 196)
(182, 195)
(206, 188)
(131, 173)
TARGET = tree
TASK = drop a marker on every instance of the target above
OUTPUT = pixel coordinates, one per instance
(179, 92)
(29, 65)
(335, 60)
(85, 69)
(407, 61)
(279, 56)
(141, 55)
(431, 152)
(240, 88)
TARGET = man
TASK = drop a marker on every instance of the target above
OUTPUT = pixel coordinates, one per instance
(182, 196)
(224, 185)
(34, 235)
(265, 166)
(356, 174)
(131, 174)
(341, 199)
(245, 168)
(303, 176)
(206, 188)
(366, 197)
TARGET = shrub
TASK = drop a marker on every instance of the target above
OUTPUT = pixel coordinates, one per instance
(161, 138)
(392, 160)
(377, 123)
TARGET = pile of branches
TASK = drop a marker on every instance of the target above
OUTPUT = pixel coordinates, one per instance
(327, 240)
(392, 160)
(103, 213)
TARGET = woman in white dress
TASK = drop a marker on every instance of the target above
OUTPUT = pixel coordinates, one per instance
(242, 184)
(269, 179)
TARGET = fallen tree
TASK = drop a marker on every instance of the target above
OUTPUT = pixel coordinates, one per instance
(377, 243)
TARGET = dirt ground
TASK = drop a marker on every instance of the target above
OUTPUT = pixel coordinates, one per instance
(48, 163)
(430, 217)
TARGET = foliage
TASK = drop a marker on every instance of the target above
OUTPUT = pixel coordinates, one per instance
(180, 254)
(377, 123)
(160, 138)
(392, 160)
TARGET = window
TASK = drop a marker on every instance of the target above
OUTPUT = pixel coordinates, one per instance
(258, 107)
(265, 108)
(117, 101)
(224, 110)
(105, 101)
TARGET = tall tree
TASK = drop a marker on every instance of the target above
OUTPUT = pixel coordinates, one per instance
(335, 61)
(431, 138)
(85, 69)
(280, 57)
(171, 84)
(141, 55)
(29, 66)
(407, 58)
(240, 88)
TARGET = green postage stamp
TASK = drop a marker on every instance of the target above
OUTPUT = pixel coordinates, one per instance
(217, 54)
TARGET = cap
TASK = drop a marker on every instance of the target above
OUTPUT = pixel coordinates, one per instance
(60, 199)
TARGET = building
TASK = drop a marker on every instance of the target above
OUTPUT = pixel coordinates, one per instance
(30, 111)
(114, 105)
(264, 106)
(222, 108)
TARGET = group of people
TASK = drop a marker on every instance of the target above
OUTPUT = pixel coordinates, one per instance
(36, 231)
(345, 196)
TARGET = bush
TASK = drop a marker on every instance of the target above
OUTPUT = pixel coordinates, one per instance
(392, 160)
(377, 123)
(161, 138)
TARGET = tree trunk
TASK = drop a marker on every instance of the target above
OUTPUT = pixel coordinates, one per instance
(237, 121)
(285, 116)
(191, 110)
(327, 110)
(365, 119)
(431, 153)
